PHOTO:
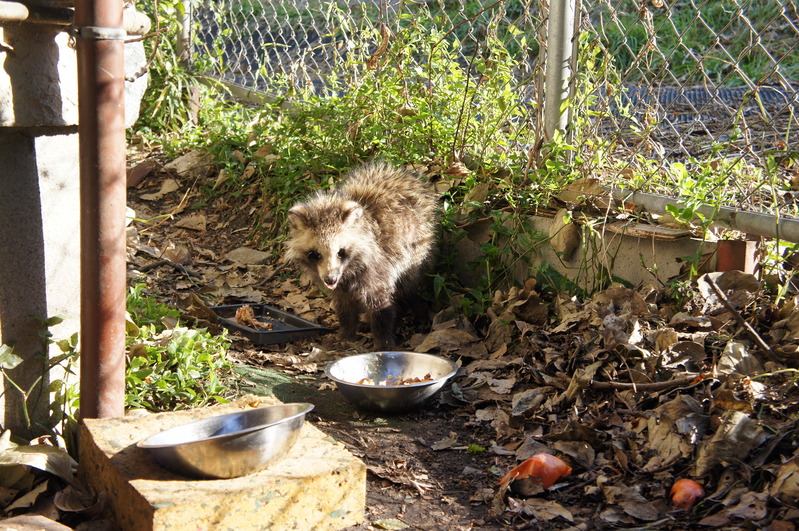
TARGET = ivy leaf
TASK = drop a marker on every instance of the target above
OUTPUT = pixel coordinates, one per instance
(8, 360)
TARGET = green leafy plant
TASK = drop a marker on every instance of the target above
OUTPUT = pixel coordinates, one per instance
(174, 106)
(144, 309)
(471, 115)
(475, 449)
(62, 390)
(388, 111)
(171, 367)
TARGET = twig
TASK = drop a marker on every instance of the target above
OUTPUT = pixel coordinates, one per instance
(652, 386)
(180, 267)
(271, 275)
(743, 322)
(179, 208)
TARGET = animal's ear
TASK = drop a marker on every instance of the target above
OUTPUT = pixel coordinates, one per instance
(351, 212)
(298, 216)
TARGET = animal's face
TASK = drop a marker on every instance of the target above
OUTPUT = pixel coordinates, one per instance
(327, 259)
(325, 240)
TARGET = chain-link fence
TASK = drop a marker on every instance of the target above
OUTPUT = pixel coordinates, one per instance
(667, 79)
(252, 42)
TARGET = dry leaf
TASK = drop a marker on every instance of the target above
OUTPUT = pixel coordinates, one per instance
(786, 487)
(195, 222)
(197, 163)
(631, 501)
(29, 498)
(581, 190)
(42, 457)
(447, 442)
(581, 452)
(447, 340)
(248, 256)
(167, 187)
(79, 500)
(32, 523)
(458, 169)
(736, 358)
(541, 510)
(674, 430)
(751, 508)
(528, 401)
(733, 440)
(502, 386)
(564, 235)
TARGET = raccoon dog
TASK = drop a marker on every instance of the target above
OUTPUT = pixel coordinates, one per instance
(368, 241)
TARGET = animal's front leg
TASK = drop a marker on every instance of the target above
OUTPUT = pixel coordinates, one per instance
(382, 324)
(348, 312)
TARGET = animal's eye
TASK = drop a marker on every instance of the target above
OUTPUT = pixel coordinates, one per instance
(342, 254)
(313, 256)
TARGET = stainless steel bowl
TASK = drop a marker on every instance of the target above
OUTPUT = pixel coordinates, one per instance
(230, 445)
(349, 374)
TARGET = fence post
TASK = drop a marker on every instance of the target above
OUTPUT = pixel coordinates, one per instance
(184, 33)
(558, 67)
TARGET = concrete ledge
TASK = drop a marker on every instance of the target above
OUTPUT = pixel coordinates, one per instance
(636, 253)
(319, 485)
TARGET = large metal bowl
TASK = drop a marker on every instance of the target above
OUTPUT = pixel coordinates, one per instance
(230, 445)
(349, 374)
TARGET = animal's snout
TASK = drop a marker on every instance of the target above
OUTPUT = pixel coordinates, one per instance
(330, 281)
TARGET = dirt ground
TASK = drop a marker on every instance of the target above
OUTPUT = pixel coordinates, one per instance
(411, 483)
(409, 480)
(630, 391)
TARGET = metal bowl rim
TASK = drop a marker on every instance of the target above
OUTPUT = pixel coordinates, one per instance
(453, 366)
(308, 407)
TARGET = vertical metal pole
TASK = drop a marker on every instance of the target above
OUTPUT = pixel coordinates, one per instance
(101, 130)
(558, 70)
(184, 34)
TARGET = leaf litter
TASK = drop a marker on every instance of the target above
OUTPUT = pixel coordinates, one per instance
(631, 390)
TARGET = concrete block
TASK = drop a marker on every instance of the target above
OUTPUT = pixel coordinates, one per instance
(39, 77)
(319, 485)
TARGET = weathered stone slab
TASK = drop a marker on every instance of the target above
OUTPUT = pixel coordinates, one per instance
(318, 485)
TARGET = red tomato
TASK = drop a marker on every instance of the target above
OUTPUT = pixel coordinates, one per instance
(545, 468)
(685, 492)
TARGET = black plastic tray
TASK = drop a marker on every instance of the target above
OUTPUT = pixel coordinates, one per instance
(285, 326)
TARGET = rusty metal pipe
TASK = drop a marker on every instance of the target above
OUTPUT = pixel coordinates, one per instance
(101, 130)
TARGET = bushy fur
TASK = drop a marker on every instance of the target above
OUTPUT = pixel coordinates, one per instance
(368, 241)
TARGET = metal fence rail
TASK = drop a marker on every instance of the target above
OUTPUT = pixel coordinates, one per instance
(685, 79)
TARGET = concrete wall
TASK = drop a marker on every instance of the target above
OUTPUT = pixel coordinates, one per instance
(39, 253)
